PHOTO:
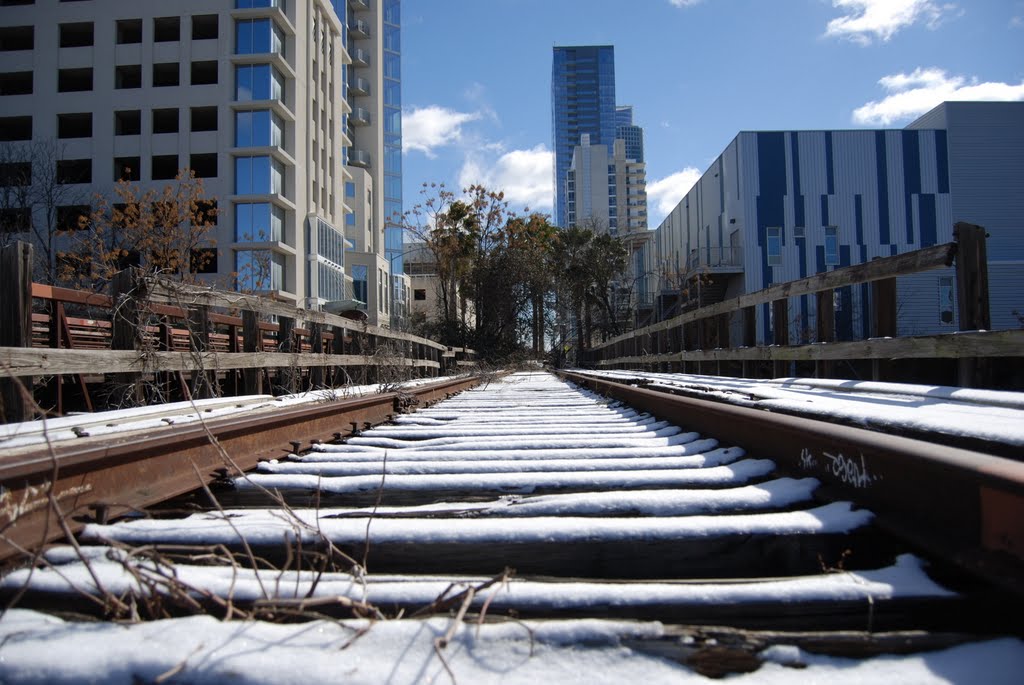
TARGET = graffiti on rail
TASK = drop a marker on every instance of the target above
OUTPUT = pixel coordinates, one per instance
(33, 498)
(849, 471)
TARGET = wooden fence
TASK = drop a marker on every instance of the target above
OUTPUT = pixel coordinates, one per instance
(702, 340)
(156, 339)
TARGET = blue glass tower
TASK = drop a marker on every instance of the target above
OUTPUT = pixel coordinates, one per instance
(582, 101)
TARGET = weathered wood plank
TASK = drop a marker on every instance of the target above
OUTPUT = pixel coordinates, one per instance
(950, 346)
(18, 362)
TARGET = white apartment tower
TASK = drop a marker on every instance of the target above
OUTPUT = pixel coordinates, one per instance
(606, 190)
(249, 94)
(374, 191)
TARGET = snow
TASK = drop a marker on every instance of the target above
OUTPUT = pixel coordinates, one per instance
(990, 415)
(202, 650)
(263, 527)
(732, 474)
(109, 566)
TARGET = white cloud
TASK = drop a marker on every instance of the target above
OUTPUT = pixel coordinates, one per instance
(882, 19)
(915, 93)
(426, 128)
(683, 3)
(665, 193)
(523, 175)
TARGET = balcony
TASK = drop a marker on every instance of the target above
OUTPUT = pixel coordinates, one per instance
(360, 57)
(358, 86)
(359, 29)
(359, 158)
(359, 5)
(359, 117)
(721, 259)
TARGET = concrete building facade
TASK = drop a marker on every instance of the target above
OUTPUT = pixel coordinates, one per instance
(259, 97)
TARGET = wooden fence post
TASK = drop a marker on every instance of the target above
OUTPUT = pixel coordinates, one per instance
(15, 324)
(780, 334)
(198, 323)
(286, 343)
(972, 295)
(252, 341)
(826, 328)
(316, 346)
(126, 331)
(749, 337)
(883, 294)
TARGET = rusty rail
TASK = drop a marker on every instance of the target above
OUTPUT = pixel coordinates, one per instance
(94, 478)
(964, 506)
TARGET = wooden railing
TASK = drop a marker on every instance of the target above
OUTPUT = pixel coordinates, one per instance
(154, 338)
(704, 339)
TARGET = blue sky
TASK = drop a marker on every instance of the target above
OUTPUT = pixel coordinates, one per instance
(476, 77)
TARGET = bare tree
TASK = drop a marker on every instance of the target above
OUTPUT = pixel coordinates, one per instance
(34, 196)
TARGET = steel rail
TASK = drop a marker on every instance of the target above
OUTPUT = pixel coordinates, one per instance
(963, 506)
(94, 478)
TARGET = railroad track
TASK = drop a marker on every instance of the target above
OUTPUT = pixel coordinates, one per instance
(544, 498)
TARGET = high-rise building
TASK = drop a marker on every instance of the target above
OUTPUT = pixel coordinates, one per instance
(606, 192)
(289, 111)
(582, 102)
(375, 160)
(626, 130)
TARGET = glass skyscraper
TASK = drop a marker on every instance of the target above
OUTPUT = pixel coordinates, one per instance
(582, 101)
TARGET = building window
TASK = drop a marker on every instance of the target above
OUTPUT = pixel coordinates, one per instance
(831, 245)
(166, 29)
(165, 120)
(204, 119)
(360, 276)
(166, 74)
(204, 27)
(76, 35)
(259, 270)
(128, 122)
(350, 189)
(350, 219)
(258, 82)
(774, 240)
(128, 76)
(74, 171)
(257, 37)
(18, 174)
(203, 260)
(204, 164)
(165, 167)
(74, 80)
(127, 169)
(419, 294)
(258, 128)
(258, 176)
(15, 220)
(258, 222)
(129, 31)
(16, 128)
(946, 302)
(17, 38)
(16, 83)
(72, 217)
(204, 73)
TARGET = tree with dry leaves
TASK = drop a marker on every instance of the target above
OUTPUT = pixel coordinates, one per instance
(164, 231)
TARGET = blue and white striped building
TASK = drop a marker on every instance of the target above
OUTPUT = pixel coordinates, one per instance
(781, 205)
